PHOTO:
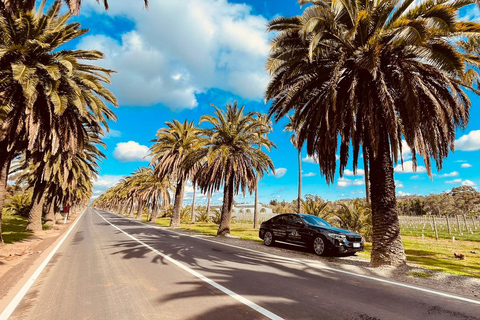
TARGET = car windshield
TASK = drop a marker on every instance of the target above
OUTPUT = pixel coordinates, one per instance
(314, 221)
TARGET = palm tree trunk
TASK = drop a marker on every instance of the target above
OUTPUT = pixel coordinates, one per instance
(255, 209)
(154, 215)
(50, 216)
(139, 210)
(177, 206)
(367, 182)
(299, 200)
(387, 246)
(192, 218)
(4, 167)
(209, 197)
(35, 214)
(226, 218)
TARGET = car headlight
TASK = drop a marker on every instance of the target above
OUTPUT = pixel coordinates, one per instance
(340, 237)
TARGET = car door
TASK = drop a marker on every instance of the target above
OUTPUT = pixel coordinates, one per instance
(279, 227)
(294, 229)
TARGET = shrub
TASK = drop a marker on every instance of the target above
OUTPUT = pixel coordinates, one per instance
(18, 204)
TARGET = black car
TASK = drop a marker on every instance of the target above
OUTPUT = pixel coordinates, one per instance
(310, 231)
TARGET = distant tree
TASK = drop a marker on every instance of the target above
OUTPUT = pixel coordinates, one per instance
(466, 198)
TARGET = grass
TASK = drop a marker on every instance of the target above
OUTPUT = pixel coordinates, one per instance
(13, 229)
(419, 274)
(243, 231)
(425, 253)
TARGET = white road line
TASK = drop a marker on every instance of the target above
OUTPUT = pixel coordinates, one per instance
(232, 294)
(7, 312)
(314, 265)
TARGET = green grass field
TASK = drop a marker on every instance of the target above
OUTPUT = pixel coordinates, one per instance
(426, 253)
(13, 229)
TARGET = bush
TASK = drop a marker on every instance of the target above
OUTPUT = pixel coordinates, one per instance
(18, 204)
(354, 216)
(217, 216)
(202, 215)
(185, 215)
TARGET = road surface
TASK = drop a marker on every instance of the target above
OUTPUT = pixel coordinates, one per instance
(111, 267)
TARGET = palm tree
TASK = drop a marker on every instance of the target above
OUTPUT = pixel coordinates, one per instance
(231, 158)
(169, 153)
(369, 73)
(26, 5)
(265, 126)
(52, 96)
(291, 126)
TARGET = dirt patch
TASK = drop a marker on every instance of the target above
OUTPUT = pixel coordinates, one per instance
(18, 257)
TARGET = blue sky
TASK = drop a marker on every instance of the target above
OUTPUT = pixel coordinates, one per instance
(178, 57)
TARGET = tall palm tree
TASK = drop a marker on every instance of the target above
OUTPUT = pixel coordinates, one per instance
(26, 5)
(367, 73)
(291, 126)
(52, 97)
(265, 127)
(232, 160)
(169, 153)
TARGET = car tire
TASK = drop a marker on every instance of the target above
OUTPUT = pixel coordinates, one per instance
(319, 246)
(268, 239)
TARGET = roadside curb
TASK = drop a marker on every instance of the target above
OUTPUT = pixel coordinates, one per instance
(13, 297)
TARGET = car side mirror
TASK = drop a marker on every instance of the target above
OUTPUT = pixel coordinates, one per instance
(299, 224)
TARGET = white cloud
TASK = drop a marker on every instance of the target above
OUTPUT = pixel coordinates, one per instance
(112, 134)
(401, 193)
(406, 151)
(466, 165)
(408, 168)
(344, 182)
(469, 142)
(310, 174)
(451, 174)
(468, 183)
(461, 161)
(181, 48)
(279, 172)
(130, 151)
(349, 173)
(310, 159)
(314, 159)
(103, 183)
(106, 181)
(454, 181)
(398, 184)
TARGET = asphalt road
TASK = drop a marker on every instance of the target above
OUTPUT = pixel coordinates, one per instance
(132, 271)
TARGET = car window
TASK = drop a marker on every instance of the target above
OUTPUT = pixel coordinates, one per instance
(279, 220)
(292, 220)
(314, 220)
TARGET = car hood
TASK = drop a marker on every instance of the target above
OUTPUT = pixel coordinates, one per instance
(337, 230)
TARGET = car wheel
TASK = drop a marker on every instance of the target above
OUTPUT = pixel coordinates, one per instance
(268, 238)
(319, 246)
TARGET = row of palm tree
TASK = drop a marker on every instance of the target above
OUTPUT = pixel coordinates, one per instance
(139, 192)
(53, 109)
(226, 154)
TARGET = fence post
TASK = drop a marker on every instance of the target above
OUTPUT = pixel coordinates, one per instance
(458, 224)
(466, 224)
(435, 228)
(473, 221)
(448, 226)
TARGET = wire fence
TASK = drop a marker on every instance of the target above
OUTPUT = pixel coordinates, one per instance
(455, 227)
